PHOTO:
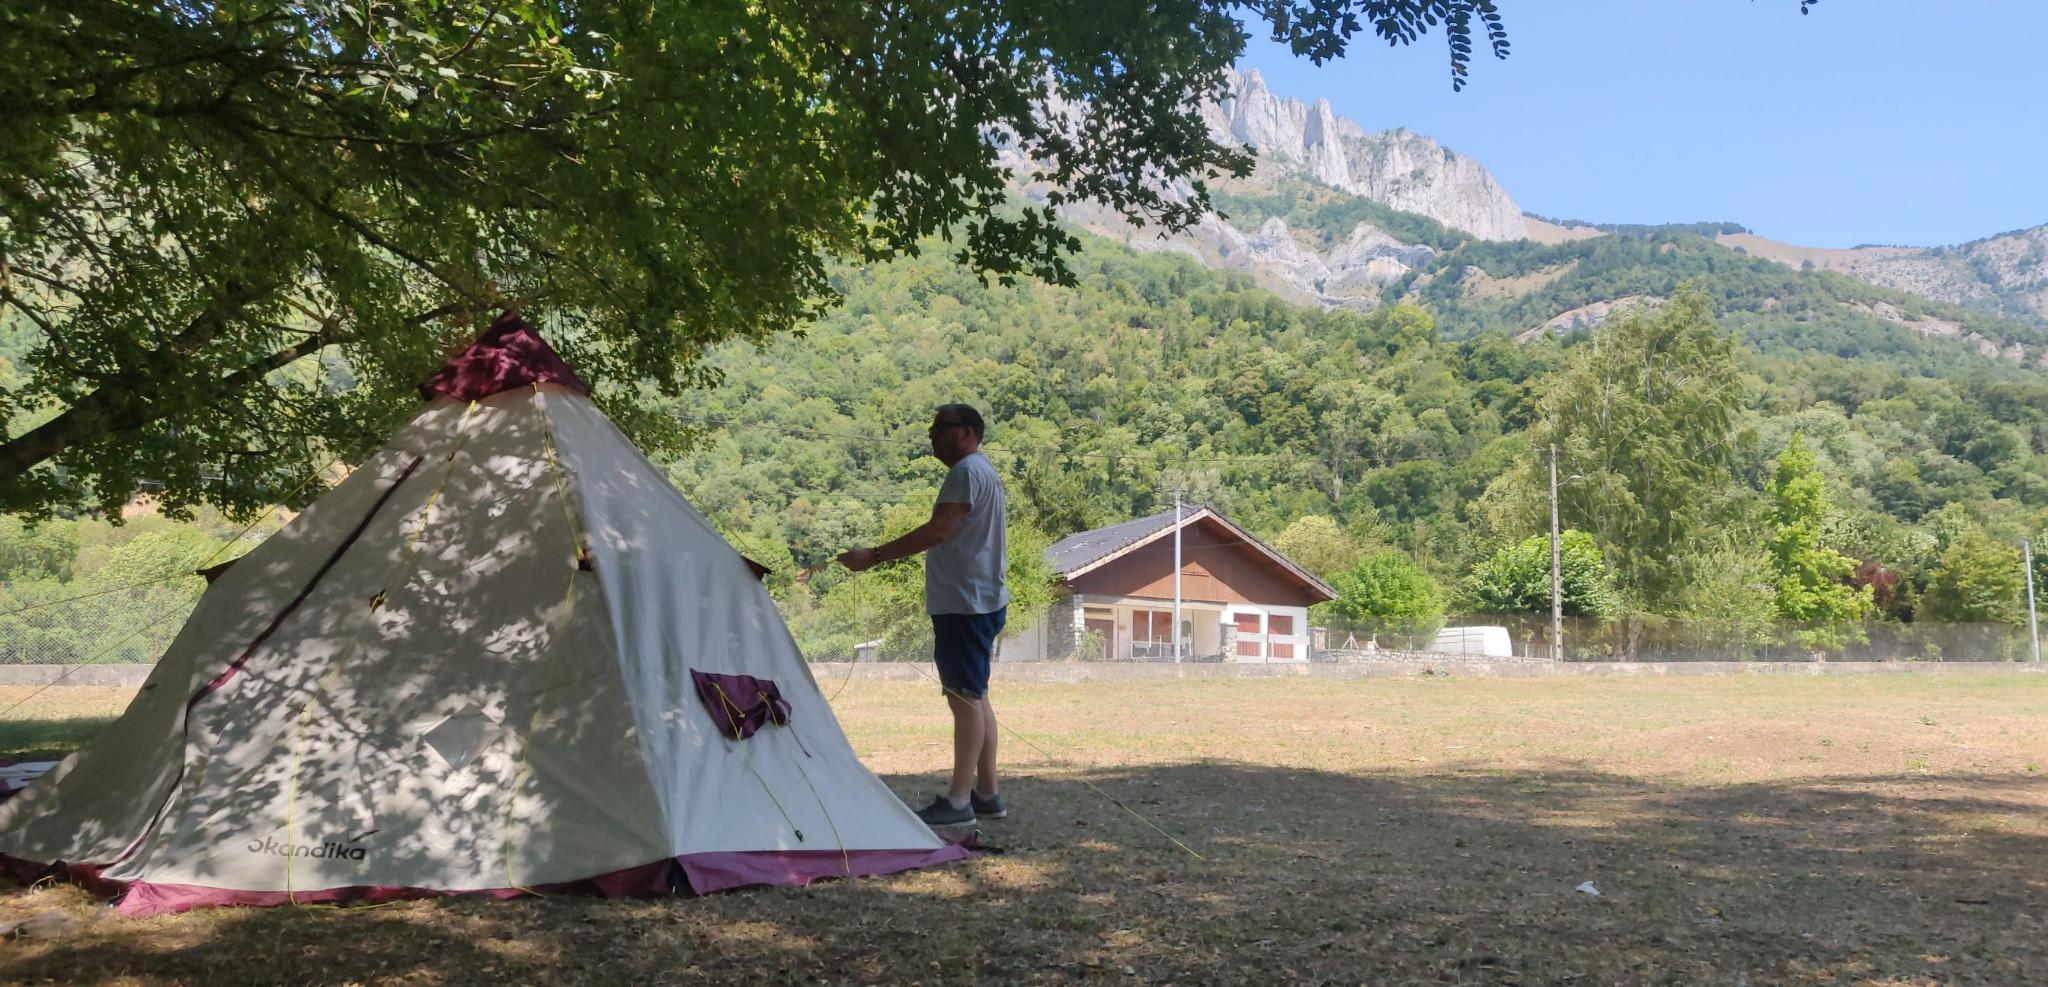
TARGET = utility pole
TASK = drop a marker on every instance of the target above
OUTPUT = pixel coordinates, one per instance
(1176, 576)
(2033, 617)
(1556, 570)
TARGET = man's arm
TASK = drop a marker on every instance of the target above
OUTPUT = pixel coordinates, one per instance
(945, 520)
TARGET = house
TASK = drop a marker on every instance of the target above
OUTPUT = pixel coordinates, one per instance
(1240, 599)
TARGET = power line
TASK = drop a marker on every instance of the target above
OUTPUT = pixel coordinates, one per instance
(1282, 459)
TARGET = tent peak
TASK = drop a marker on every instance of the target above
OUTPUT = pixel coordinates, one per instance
(511, 353)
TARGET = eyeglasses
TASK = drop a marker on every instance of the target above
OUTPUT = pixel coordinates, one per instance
(939, 425)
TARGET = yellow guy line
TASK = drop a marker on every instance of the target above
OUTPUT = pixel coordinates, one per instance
(568, 616)
(355, 640)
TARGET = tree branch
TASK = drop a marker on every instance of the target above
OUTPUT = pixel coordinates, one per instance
(115, 407)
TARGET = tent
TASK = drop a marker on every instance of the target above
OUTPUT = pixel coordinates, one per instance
(504, 656)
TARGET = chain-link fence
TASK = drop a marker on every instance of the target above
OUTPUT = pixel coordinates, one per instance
(1142, 631)
(47, 622)
(1650, 638)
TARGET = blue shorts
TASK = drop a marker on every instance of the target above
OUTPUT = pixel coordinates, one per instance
(962, 644)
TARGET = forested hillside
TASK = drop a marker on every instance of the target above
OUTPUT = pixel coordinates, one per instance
(1410, 431)
(1412, 436)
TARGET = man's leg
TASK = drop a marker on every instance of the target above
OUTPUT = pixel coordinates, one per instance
(985, 764)
(970, 739)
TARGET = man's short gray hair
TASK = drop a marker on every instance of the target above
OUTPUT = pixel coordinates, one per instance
(965, 415)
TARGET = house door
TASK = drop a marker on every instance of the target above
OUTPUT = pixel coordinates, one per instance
(1106, 627)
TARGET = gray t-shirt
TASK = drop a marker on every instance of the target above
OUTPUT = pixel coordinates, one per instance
(964, 573)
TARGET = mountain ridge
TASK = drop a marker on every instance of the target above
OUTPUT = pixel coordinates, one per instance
(1329, 217)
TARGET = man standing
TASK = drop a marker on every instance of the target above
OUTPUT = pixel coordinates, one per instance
(965, 596)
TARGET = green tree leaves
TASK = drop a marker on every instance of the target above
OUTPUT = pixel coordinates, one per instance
(1645, 419)
(195, 198)
(1977, 579)
(1811, 579)
(1317, 544)
(1386, 588)
(1516, 579)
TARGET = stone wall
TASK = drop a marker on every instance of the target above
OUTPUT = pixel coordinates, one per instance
(1340, 656)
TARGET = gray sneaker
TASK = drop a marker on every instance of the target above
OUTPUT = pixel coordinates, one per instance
(987, 808)
(944, 813)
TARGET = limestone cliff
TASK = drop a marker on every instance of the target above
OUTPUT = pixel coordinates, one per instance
(1404, 170)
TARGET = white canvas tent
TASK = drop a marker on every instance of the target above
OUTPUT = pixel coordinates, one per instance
(468, 669)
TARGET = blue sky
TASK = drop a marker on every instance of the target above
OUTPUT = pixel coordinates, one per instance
(1868, 121)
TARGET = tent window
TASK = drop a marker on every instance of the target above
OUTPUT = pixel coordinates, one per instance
(461, 737)
(740, 704)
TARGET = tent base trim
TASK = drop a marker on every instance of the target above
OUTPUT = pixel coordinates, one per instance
(701, 873)
(724, 871)
(145, 898)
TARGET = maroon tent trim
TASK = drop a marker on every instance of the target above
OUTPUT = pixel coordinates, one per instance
(510, 354)
(698, 873)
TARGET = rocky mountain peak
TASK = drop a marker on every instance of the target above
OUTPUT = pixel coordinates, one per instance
(1401, 169)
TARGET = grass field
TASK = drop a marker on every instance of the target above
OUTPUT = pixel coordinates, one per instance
(1877, 829)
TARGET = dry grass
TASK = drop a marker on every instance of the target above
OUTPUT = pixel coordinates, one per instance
(1545, 232)
(41, 721)
(1842, 830)
(1481, 286)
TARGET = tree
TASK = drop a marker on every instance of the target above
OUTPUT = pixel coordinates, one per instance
(1319, 545)
(1517, 579)
(1730, 603)
(1978, 580)
(195, 197)
(1645, 416)
(45, 551)
(1811, 579)
(1386, 588)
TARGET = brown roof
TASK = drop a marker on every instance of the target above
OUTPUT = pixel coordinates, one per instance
(1084, 552)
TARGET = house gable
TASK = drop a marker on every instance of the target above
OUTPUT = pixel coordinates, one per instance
(1220, 564)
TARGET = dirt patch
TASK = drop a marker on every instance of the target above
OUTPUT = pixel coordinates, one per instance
(1550, 234)
(1793, 255)
(1480, 286)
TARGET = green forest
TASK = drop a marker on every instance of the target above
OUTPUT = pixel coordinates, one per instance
(1417, 430)
(1789, 474)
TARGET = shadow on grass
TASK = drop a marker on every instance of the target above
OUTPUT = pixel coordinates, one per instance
(1305, 876)
(48, 738)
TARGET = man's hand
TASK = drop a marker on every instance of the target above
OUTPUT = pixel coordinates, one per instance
(946, 519)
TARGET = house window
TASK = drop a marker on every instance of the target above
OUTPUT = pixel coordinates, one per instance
(1249, 645)
(1279, 625)
(1152, 633)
